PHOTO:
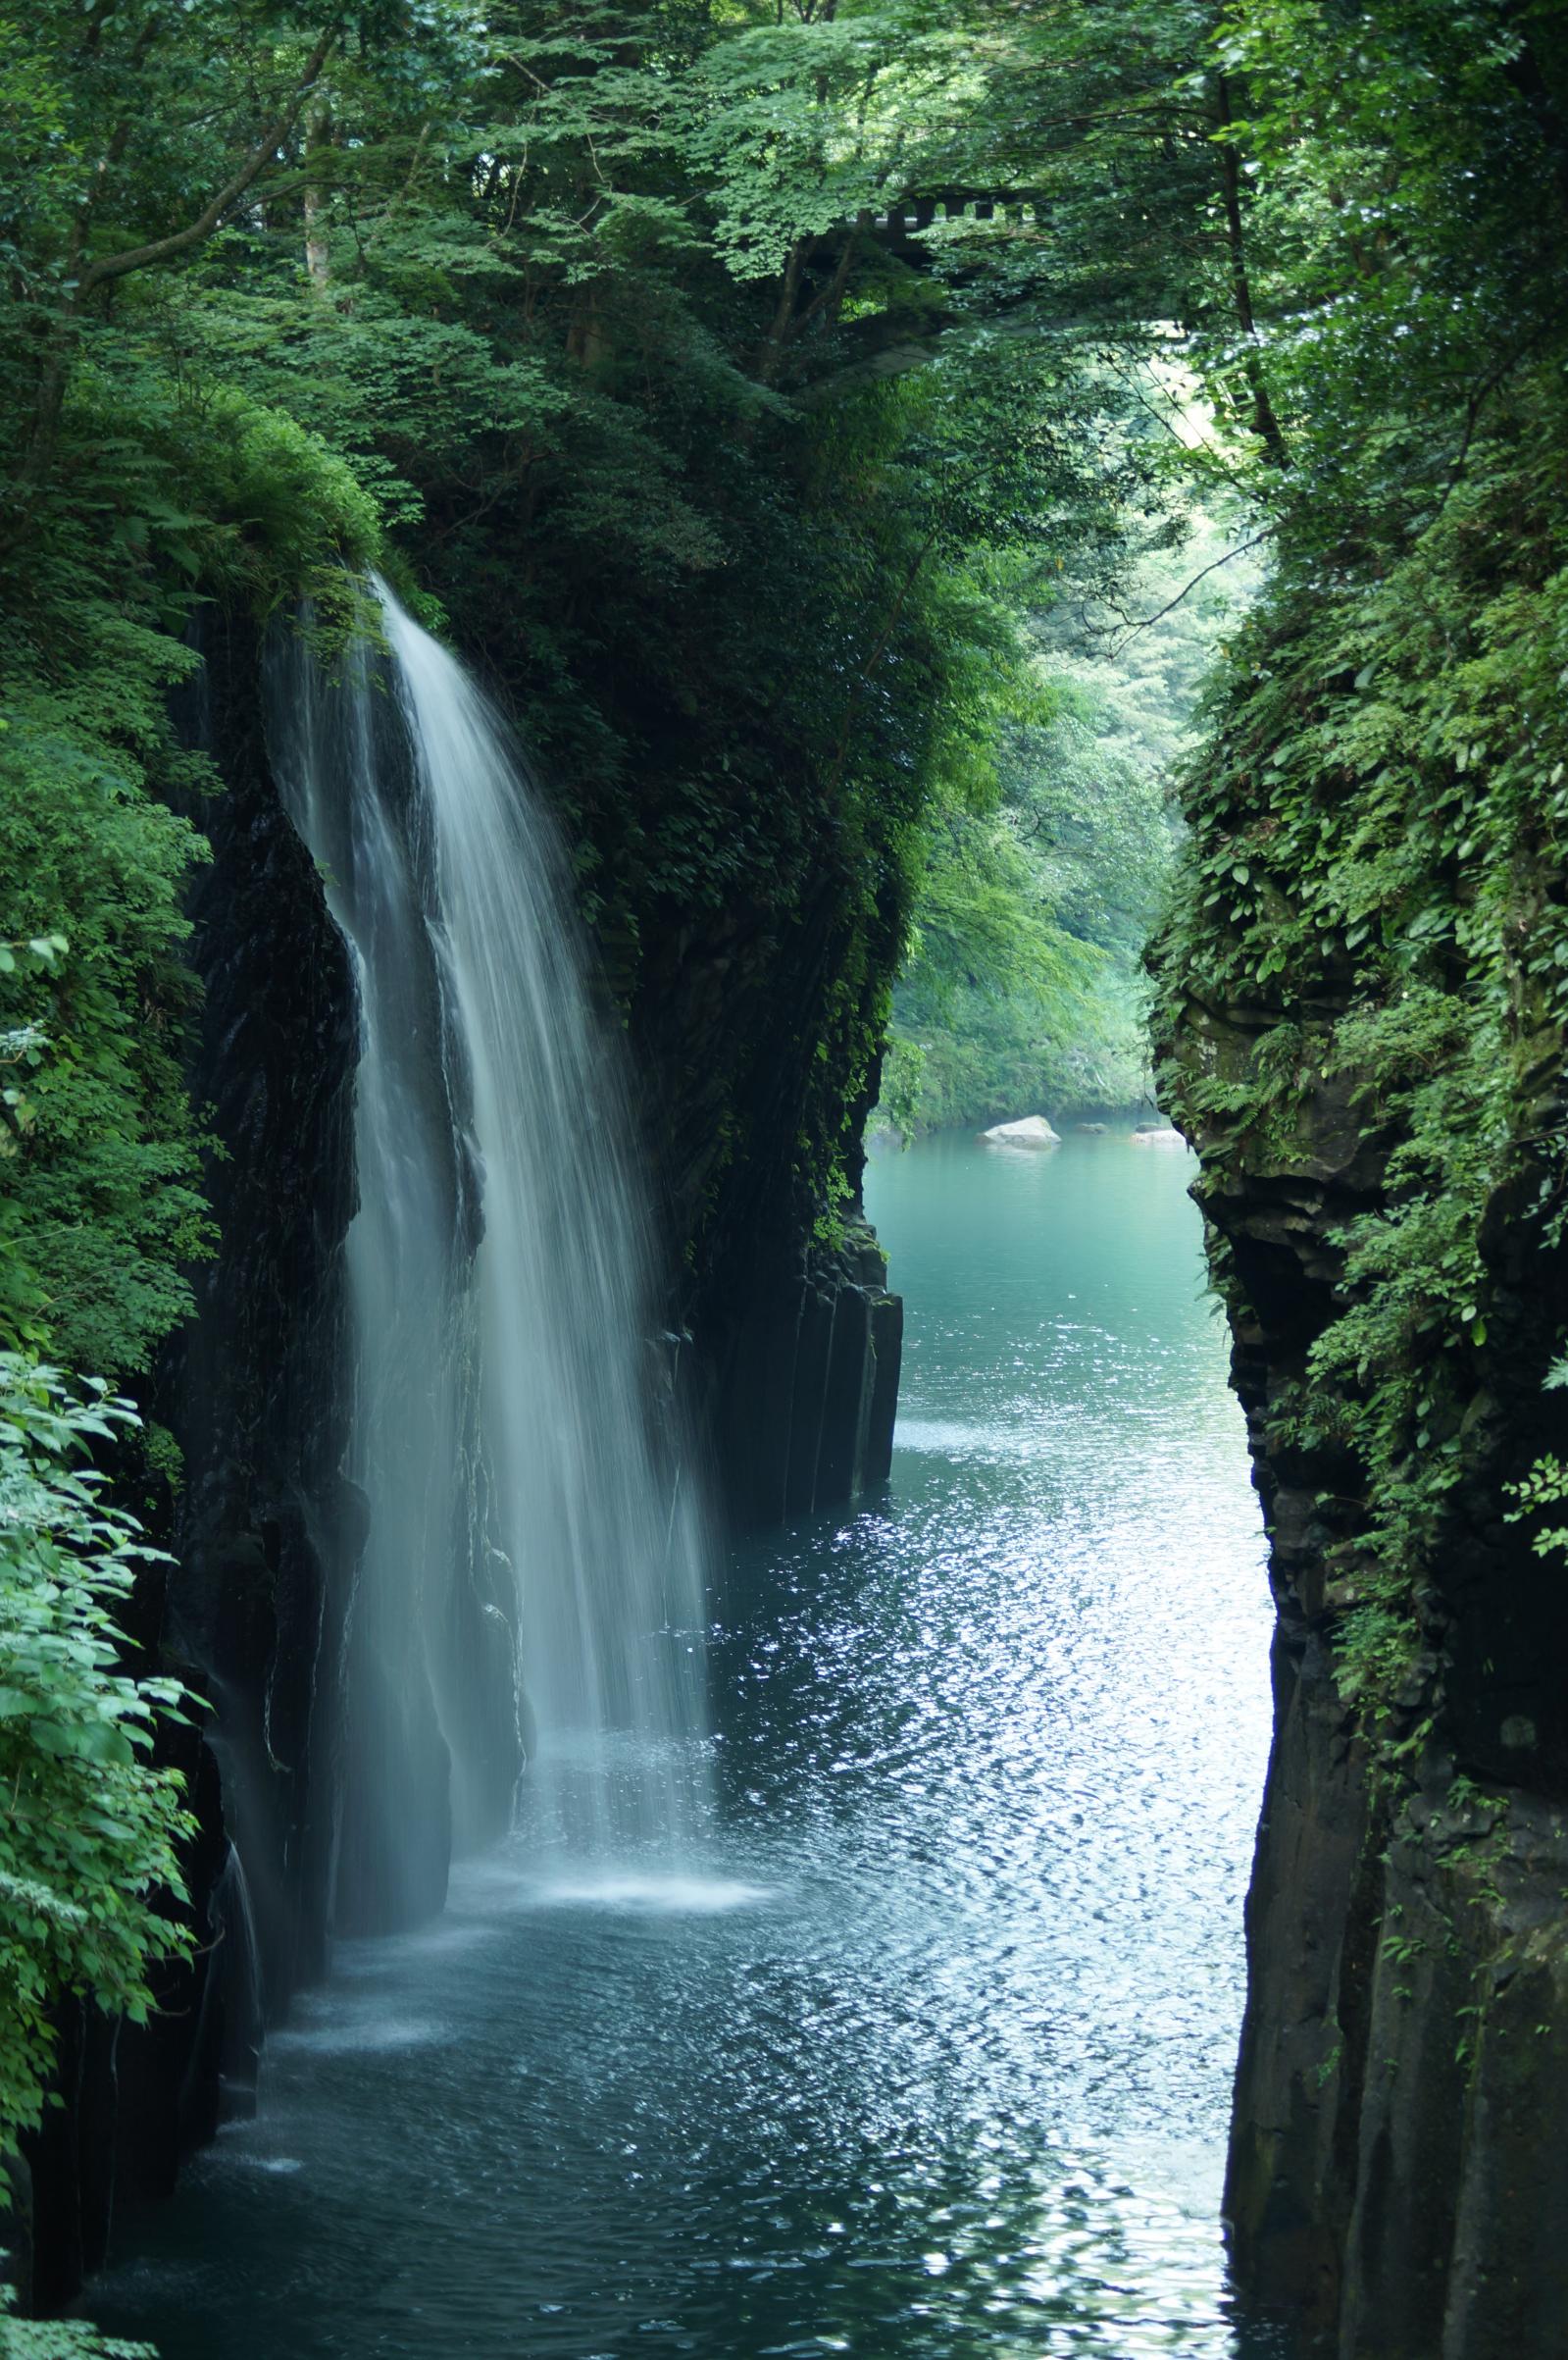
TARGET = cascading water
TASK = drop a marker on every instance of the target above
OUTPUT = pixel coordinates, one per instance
(530, 1579)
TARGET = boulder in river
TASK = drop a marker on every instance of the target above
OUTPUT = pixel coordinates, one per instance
(1033, 1131)
(1093, 1129)
(1158, 1135)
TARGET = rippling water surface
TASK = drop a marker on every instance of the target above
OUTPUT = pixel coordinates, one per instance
(926, 2052)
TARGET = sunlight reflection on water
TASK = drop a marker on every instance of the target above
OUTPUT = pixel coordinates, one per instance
(927, 2056)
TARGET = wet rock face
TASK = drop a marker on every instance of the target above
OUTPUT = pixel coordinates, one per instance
(792, 1375)
(804, 1384)
(1398, 2184)
(254, 1388)
(251, 1611)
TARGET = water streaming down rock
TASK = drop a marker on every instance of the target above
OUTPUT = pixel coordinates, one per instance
(532, 1560)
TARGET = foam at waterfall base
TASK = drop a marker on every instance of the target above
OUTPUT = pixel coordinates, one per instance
(514, 1880)
(679, 1894)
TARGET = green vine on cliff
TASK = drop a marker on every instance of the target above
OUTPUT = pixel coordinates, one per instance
(1378, 883)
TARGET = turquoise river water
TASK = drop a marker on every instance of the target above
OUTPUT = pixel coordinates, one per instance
(924, 2052)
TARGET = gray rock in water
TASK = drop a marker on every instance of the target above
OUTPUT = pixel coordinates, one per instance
(1096, 1130)
(1162, 1136)
(1033, 1131)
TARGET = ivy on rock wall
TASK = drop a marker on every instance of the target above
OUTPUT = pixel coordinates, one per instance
(153, 496)
(1371, 934)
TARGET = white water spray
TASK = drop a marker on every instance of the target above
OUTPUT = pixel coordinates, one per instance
(532, 1562)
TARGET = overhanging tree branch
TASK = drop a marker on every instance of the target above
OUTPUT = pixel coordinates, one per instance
(180, 242)
(1240, 550)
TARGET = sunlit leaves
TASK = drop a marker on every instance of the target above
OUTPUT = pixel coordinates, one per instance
(798, 127)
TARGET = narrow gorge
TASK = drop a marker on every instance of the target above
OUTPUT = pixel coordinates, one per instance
(701, 699)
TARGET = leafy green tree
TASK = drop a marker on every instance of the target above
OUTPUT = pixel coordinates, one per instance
(90, 1831)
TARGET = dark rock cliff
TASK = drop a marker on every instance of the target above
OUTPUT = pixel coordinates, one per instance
(805, 1383)
(254, 1388)
(742, 1025)
(1397, 2186)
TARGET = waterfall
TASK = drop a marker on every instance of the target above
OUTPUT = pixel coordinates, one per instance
(530, 1586)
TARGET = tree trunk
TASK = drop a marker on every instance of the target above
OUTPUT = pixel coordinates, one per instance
(1264, 421)
(317, 250)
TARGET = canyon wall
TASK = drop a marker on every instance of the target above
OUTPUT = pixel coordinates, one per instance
(1397, 2188)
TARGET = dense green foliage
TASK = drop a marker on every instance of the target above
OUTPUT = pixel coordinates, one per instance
(590, 321)
(577, 316)
(89, 1840)
(1376, 875)
(64, 2339)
